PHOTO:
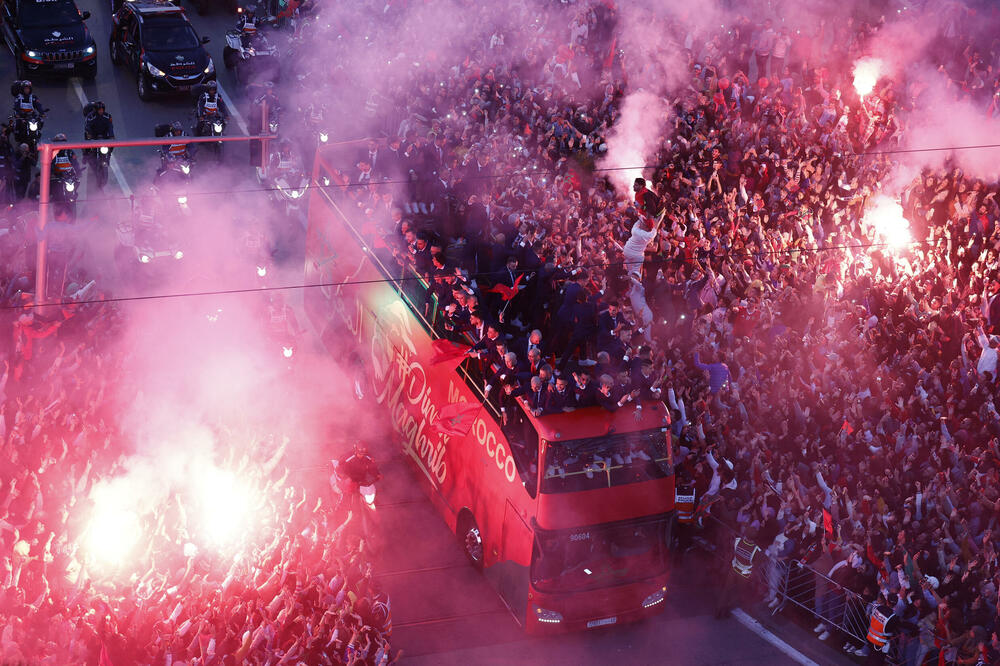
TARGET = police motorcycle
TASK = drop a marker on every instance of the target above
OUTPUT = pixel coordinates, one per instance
(282, 330)
(355, 477)
(249, 53)
(65, 182)
(210, 115)
(285, 178)
(148, 243)
(26, 121)
(314, 115)
(97, 125)
(176, 159)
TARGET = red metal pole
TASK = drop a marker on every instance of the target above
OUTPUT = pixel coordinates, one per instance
(45, 162)
(263, 130)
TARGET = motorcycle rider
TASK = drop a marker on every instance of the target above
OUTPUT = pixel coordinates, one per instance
(248, 24)
(64, 161)
(25, 101)
(174, 151)
(282, 160)
(98, 124)
(360, 468)
(211, 106)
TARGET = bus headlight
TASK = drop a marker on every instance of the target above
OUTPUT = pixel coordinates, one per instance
(548, 616)
(655, 598)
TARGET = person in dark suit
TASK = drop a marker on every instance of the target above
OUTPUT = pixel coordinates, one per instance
(584, 390)
(562, 398)
(583, 318)
(610, 323)
(506, 282)
(510, 367)
(537, 396)
(647, 384)
(612, 397)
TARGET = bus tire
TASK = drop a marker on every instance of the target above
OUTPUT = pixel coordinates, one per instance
(471, 539)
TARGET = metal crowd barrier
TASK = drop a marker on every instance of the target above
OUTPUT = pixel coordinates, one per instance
(796, 585)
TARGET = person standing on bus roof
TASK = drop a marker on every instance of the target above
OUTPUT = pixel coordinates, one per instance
(612, 397)
(538, 396)
(510, 368)
(585, 393)
(562, 398)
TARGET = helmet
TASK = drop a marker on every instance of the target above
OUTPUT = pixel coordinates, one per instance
(99, 106)
(26, 86)
(176, 128)
(250, 10)
(59, 137)
(212, 86)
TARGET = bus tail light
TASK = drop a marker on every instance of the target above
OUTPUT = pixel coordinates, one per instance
(548, 616)
(655, 598)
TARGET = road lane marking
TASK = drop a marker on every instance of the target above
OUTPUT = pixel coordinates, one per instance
(759, 629)
(115, 169)
(233, 110)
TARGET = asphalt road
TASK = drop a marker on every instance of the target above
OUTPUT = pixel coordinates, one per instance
(116, 86)
(221, 195)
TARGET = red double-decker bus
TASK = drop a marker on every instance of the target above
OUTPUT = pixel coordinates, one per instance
(569, 515)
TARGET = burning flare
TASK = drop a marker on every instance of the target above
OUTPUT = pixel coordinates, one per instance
(866, 74)
(886, 217)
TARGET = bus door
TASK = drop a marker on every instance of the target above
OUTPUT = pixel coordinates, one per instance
(510, 573)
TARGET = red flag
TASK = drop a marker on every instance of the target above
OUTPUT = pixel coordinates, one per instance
(870, 554)
(446, 350)
(610, 59)
(828, 522)
(104, 659)
(507, 293)
(847, 426)
(456, 418)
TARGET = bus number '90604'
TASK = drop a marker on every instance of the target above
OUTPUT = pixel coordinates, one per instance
(580, 536)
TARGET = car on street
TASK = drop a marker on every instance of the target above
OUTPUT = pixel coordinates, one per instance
(156, 41)
(48, 36)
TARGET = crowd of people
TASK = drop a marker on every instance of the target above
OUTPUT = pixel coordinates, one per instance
(831, 393)
(299, 590)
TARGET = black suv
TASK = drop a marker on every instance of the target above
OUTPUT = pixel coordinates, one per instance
(157, 41)
(48, 36)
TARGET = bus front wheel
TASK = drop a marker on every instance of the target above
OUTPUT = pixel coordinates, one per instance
(471, 539)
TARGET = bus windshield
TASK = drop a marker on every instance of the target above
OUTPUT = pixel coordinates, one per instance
(605, 555)
(606, 461)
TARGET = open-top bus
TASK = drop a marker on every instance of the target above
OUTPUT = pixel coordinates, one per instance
(570, 516)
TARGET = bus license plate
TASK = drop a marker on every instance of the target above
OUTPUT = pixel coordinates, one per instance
(63, 65)
(601, 623)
